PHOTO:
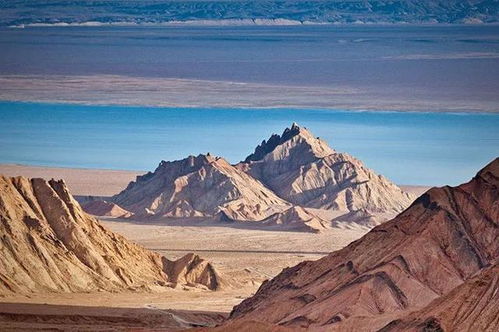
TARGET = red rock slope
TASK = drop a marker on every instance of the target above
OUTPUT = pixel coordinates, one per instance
(444, 238)
(472, 306)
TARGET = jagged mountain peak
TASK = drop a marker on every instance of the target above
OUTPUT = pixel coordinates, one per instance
(191, 160)
(297, 135)
(304, 170)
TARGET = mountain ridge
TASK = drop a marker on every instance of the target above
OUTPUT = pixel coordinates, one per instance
(305, 171)
(293, 170)
(447, 236)
(48, 244)
(201, 186)
(273, 12)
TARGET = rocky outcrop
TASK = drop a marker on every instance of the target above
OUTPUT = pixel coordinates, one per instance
(303, 170)
(444, 238)
(297, 218)
(292, 169)
(48, 244)
(105, 209)
(472, 306)
(202, 186)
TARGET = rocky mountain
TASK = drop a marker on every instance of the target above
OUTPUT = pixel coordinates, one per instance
(443, 239)
(202, 186)
(48, 244)
(15, 12)
(275, 185)
(305, 171)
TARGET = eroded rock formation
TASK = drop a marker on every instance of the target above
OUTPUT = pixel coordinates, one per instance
(298, 219)
(305, 171)
(284, 176)
(201, 186)
(48, 244)
(472, 306)
(105, 209)
(444, 238)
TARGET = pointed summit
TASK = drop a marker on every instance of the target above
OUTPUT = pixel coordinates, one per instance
(305, 171)
(294, 136)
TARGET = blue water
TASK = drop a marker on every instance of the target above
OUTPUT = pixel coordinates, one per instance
(408, 148)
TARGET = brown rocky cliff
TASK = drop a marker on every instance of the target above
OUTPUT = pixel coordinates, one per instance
(48, 244)
(472, 306)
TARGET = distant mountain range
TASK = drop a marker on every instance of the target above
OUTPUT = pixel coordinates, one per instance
(287, 12)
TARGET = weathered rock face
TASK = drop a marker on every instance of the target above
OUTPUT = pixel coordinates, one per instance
(444, 238)
(48, 244)
(472, 306)
(294, 169)
(199, 186)
(303, 170)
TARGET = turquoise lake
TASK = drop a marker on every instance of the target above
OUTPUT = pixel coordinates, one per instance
(408, 148)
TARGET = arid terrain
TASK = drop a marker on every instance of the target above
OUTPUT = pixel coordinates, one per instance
(439, 258)
(245, 255)
(240, 253)
(297, 236)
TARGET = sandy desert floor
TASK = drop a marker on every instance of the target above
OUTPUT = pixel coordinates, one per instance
(245, 256)
(95, 182)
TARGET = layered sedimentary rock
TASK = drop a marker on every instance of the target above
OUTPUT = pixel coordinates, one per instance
(294, 169)
(202, 186)
(472, 306)
(444, 238)
(303, 170)
(48, 244)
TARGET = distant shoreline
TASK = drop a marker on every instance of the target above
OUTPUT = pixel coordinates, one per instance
(120, 90)
(236, 23)
(249, 108)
